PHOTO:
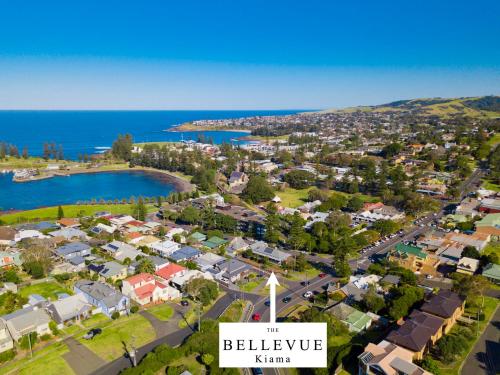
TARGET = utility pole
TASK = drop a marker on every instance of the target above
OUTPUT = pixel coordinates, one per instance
(199, 316)
(29, 340)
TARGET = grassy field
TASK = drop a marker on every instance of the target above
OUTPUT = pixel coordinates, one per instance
(250, 286)
(494, 140)
(234, 312)
(163, 312)
(47, 290)
(94, 320)
(490, 185)
(293, 198)
(15, 163)
(299, 276)
(492, 247)
(47, 361)
(73, 210)
(191, 364)
(126, 331)
(490, 305)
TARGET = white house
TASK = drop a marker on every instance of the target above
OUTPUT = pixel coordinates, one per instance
(165, 248)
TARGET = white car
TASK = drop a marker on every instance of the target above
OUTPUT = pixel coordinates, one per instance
(308, 294)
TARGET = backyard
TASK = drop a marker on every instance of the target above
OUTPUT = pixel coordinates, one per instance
(163, 312)
(45, 289)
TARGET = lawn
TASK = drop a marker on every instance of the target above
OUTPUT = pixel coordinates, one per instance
(163, 312)
(492, 247)
(494, 140)
(126, 331)
(301, 276)
(73, 210)
(234, 312)
(94, 320)
(47, 361)
(490, 305)
(191, 363)
(46, 289)
(14, 163)
(293, 198)
(250, 286)
(490, 185)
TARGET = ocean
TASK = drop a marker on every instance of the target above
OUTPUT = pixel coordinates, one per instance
(91, 132)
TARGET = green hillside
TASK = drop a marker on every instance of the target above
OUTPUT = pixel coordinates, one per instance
(483, 106)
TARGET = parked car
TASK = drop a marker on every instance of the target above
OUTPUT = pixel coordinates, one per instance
(256, 317)
(267, 303)
(287, 299)
(308, 294)
(305, 283)
(257, 371)
(321, 275)
(92, 333)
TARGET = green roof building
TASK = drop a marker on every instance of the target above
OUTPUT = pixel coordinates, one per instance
(492, 273)
(198, 237)
(214, 242)
(356, 320)
(403, 249)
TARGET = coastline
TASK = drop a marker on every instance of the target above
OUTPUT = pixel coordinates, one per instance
(180, 184)
(190, 127)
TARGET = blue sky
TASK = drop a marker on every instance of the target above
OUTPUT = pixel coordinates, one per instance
(244, 54)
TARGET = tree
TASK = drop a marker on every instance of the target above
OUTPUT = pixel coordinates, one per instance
(386, 227)
(190, 215)
(272, 228)
(341, 266)
(146, 266)
(299, 179)
(372, 301)
(203, 290)
(391, 150)
(471, 252)
(355, 204)
(60, 213)
(430, 365)
(140, 210)
(28, 341)
(296, 237)
(258, 190)
(404, 298)
(122, 147)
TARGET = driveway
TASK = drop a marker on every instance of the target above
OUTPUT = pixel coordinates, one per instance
(484, 357)
(81, 359)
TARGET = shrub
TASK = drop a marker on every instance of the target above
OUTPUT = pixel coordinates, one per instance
(45, 337)
(25, 340)
(115, 315)
(207, 358)
(134, 309)
(53, 328)
(7, 355)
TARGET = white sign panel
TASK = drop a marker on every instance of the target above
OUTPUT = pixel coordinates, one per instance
(272, 345)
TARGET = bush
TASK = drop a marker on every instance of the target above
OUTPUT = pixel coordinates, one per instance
(45, 337)
(207, 358)
(53, 328)
(134, 309)
(7, 355)
(115, 315)
(25, 340)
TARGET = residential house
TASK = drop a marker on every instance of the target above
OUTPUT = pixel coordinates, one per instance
(69, 234)
(230, 270)
(69, 222)
(247, 221)
(7, 237)
(468, 266)
(158, 262)
(103, 296)
(478, 240)
(9, 258)
(197, 237)
(237, 182)
(185, 253)
(121, 220)
(236, 246)
(144, 289)
(165, 248)
(108, 271)
(146, 240)
(6, 342)
(490, 205)
(100, 228)
(214, 242)
(27, 320)
(386, 358)
(418, 333)
(180, 281)
(121, 251)
(468, 207)
(70, 308)
(414, 259)
(358, 286)
(262, 249)
(492, 273)
(171, 270)
(73, 249)
(489, 225)
(28, 234)
(208, 261)
(356, 320)
(447, 305)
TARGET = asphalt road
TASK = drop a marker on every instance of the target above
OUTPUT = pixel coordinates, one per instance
(485, 355)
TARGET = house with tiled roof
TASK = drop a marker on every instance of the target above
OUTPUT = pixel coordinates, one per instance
(414, 259)
(170, 271)
(69, 222)
(185, 253)
(144, 289)
(418, 333)
(447, 305)
(356, 320)
(386, 358)
(7, 236)
(467, 265)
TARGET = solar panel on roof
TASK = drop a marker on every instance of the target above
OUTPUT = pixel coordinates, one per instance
(268, 250)
(113, 247)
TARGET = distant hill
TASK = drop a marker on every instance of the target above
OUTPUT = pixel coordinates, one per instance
(482, 106)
